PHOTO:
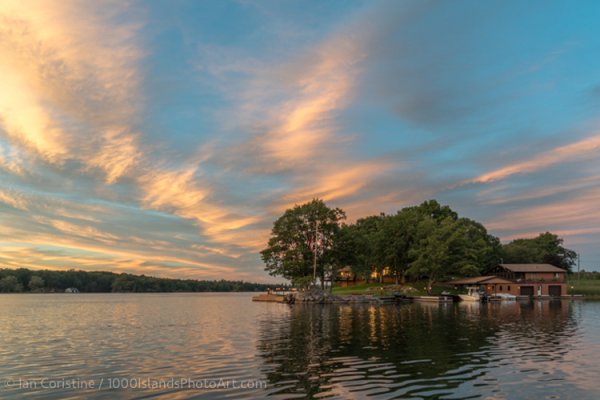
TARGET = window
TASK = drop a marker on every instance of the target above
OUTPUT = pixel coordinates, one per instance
(508, 288)
(500, 287)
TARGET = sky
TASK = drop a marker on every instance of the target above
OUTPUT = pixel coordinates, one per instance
(165, 137)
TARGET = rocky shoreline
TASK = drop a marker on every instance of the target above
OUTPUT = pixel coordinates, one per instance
(324, 297)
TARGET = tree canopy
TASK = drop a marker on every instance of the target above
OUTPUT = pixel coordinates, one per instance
(302, 233)
(545, 248)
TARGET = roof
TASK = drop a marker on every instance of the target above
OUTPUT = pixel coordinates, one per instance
(532, 268)
(496, 280)
(480, 280)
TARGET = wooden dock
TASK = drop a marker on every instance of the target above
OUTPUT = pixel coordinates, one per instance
(269, 297)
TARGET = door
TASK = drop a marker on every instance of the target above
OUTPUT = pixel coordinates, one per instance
(554, 290)
(526, 291)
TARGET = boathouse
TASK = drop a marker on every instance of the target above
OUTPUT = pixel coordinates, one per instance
(533, 280)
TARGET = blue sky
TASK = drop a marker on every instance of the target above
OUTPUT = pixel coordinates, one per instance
(165, 137)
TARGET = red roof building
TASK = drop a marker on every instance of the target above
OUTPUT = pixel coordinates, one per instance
(534, 280)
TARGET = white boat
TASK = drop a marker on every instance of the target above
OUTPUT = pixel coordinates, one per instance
(504, 297)
(472, 294)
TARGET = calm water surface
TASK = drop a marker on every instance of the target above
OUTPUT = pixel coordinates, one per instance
(52, 346)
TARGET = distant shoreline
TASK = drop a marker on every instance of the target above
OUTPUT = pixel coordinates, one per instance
(23, 280)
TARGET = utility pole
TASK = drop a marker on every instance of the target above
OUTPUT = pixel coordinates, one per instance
(315, 253)
(578, 266)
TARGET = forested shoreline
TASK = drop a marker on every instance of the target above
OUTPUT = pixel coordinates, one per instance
(50, 281)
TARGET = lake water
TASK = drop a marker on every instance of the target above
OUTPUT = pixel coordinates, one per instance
(217, 346)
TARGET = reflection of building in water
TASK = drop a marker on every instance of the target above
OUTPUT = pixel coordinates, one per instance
(532, 280)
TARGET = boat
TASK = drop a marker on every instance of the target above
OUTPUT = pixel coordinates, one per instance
(503, 297)
(472, 294)
(434, 299)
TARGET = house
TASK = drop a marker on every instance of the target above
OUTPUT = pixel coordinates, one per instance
(539, 280)
(346, 277)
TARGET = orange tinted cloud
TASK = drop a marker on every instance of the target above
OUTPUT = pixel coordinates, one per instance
(577, 150)
(299, 113)
(68, 76)
(571, 217)
(13, 199)
(341, 182)
(179, 192)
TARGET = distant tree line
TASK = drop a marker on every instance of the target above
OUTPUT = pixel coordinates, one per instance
(26, 280)
(429, 241)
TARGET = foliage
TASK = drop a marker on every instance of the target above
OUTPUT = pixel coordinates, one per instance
(15, 280)
(588, 286)
(299, 234)
(36, 283)
(545, 248)
(10, 284)
(360, 246)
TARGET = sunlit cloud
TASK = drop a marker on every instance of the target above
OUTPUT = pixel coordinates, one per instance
(306, 121)
(178, 192)
(13, 199)
(337, 182)
(577, 215)
(582, 149)
(68, 76)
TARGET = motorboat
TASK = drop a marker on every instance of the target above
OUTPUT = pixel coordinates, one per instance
(504, 297)
(473, 294)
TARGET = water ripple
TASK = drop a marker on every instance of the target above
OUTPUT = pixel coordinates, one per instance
(493, 351)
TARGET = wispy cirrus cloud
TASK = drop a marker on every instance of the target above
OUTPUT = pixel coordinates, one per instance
(580, 150)
(69, 79)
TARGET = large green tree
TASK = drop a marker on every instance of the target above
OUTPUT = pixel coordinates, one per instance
(300, 234)
(444, 244)
(545, 248)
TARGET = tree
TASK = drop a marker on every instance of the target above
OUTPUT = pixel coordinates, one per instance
(10, 284)
(302, 235)
(433, 248)
(399, 235)
(444, 244)
(546, 248)
(36, 283)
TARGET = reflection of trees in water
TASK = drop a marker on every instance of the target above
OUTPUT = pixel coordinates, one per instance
(406, 349)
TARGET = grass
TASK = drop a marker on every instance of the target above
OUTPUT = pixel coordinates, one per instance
(363, 288)
(586, 287)
(386, 289)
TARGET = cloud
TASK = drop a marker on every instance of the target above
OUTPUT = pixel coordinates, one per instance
(305, 122)
(180, 192)
(337, 183)
(577, 151)
(69, 79)
(13, 199)
(576, 214)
